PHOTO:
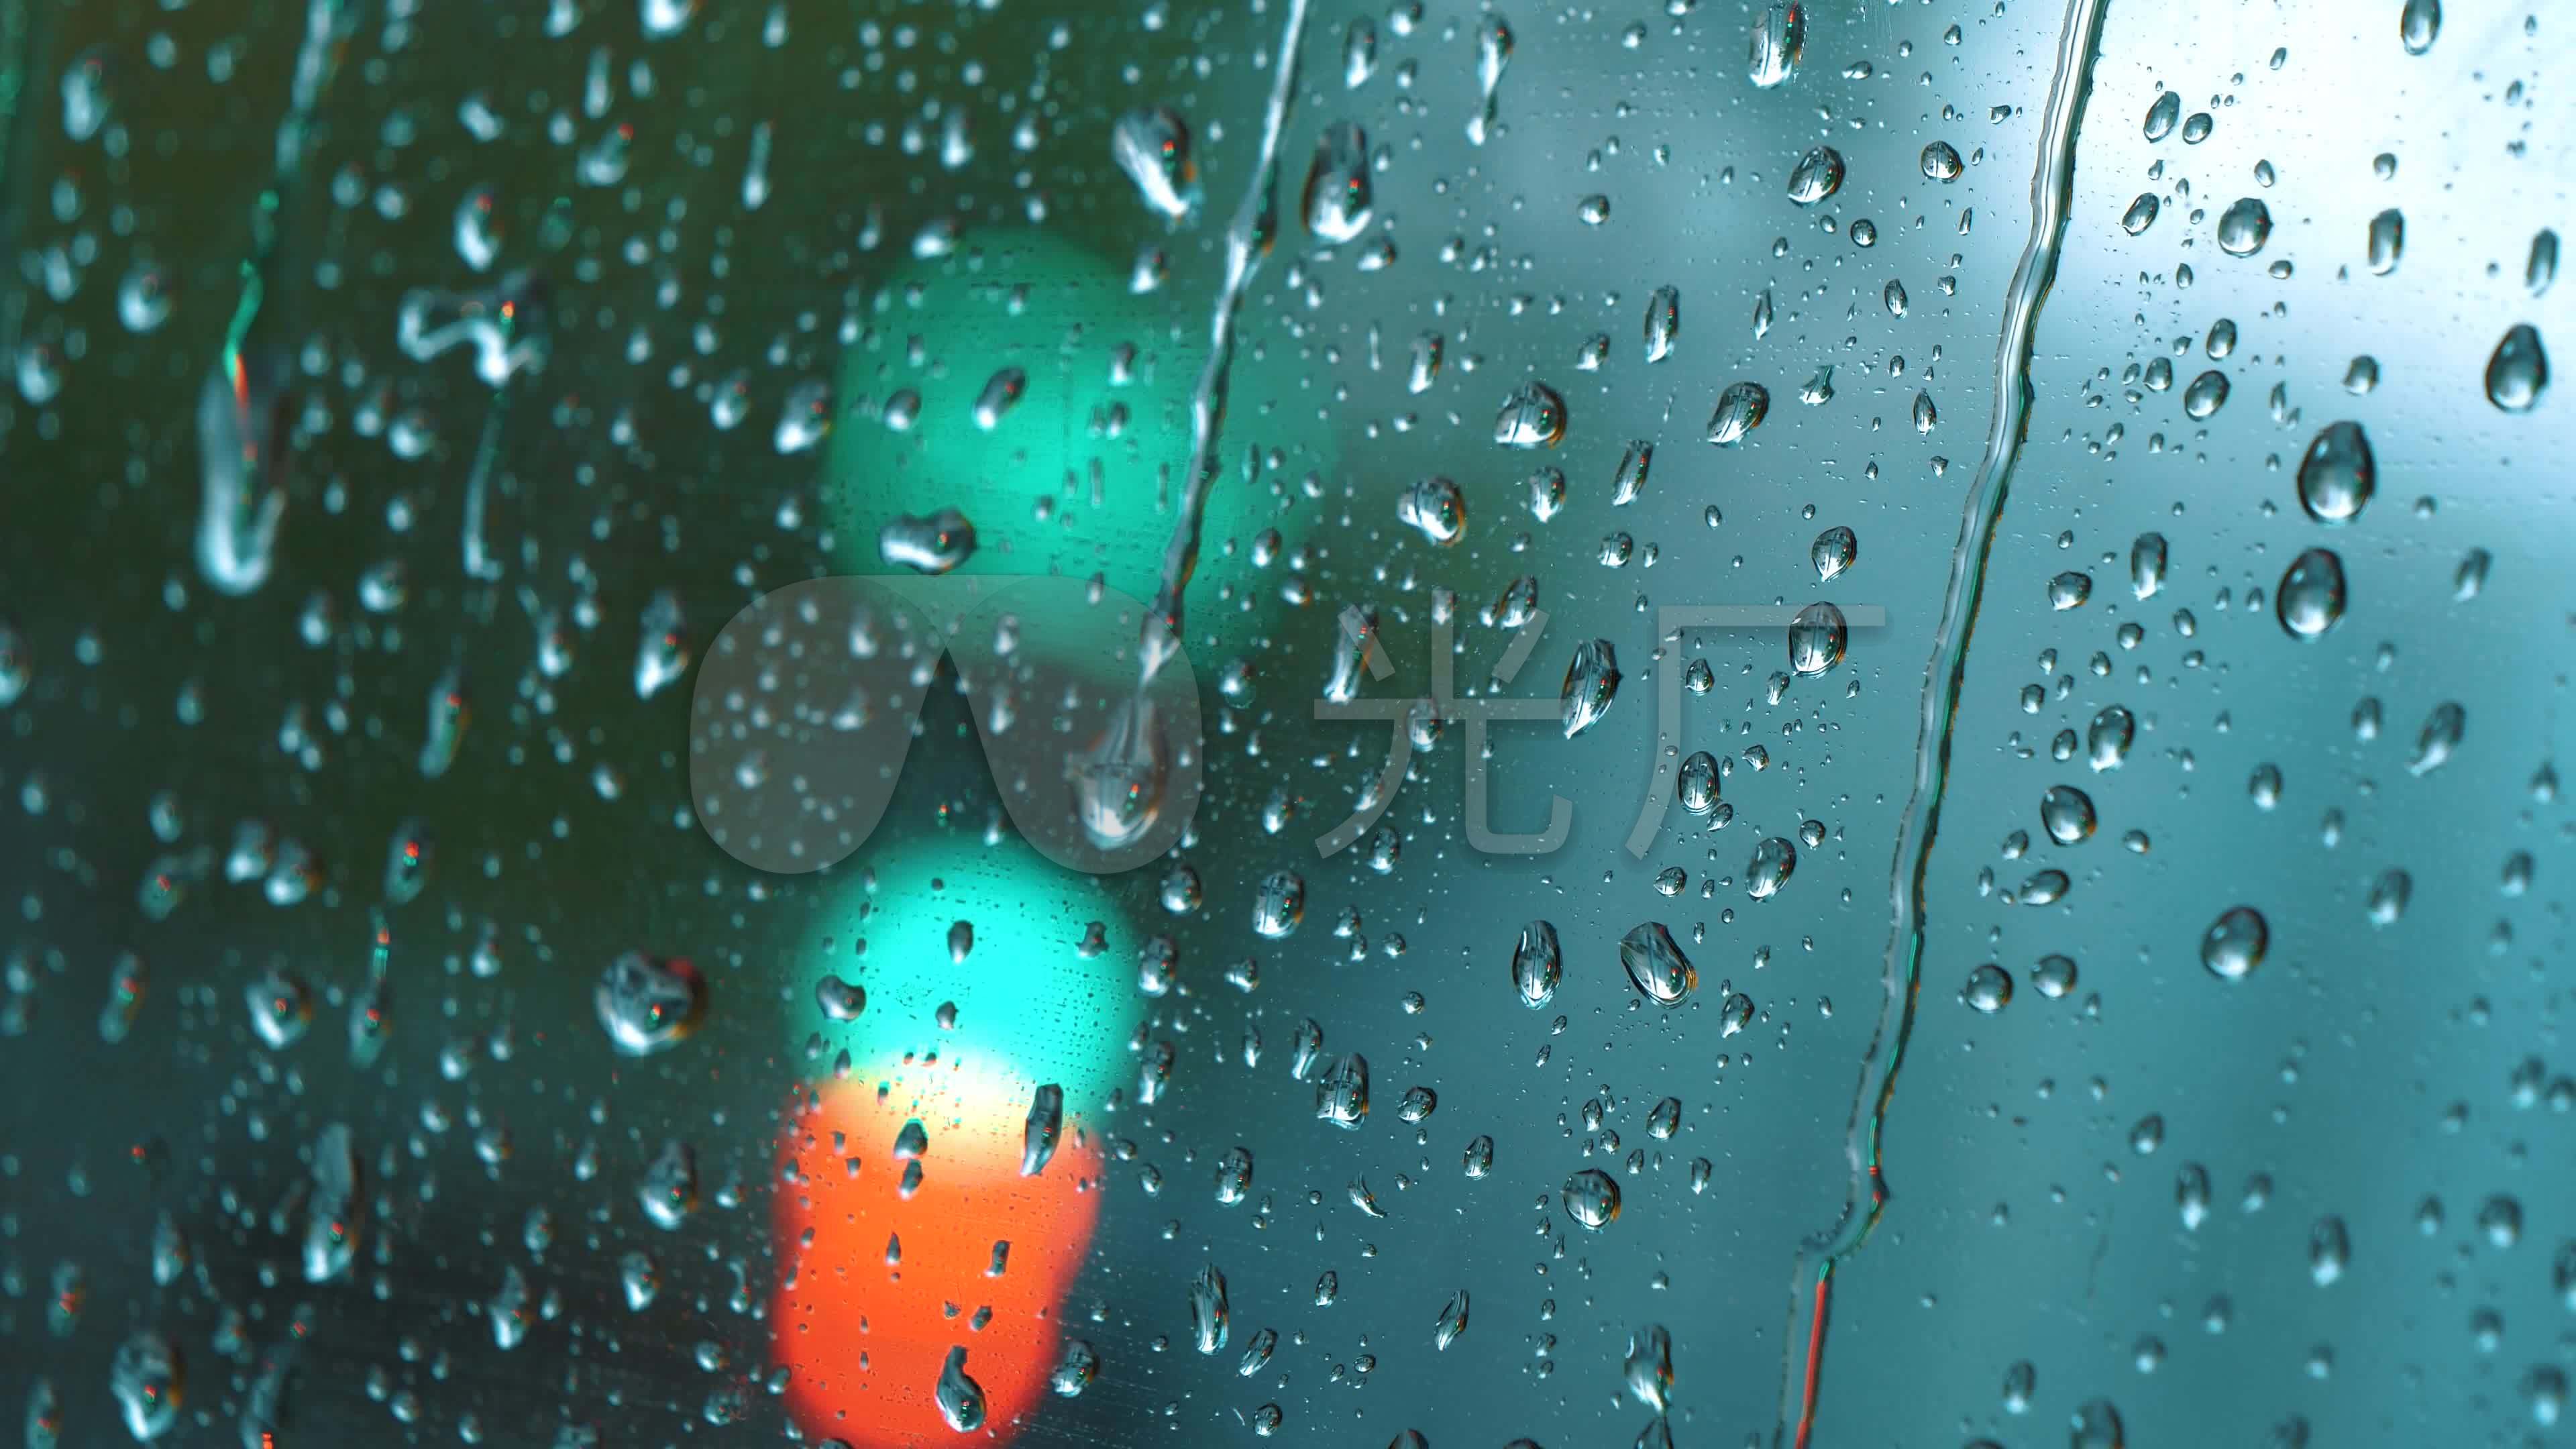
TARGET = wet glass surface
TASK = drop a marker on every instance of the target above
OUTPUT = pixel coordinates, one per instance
(2011, 540)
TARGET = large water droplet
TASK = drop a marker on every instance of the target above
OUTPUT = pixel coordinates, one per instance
(1532, 417)
(2067, 814)
(2244, 227)
(1591, 1198)
(2338, 473)
(1436, 508)
(2205, 396)
(1649, 1367)
(1818, 635)
(2518, 372)
(1537, 964)
(1663, 322)
(2387, 241)
(2234, 943)
(2311, 597)
(1339, 196)
(1342, 1091)
(1656, 965)
(1044, 1126)
(1774, 861)
(1818, 175)
(668, 1192)
(1591, 683)
(1451, 1322)
(648, 1004)
(2163, 115)
(1779, 39)
(1152, 145)
(960, 1398)
(1740, 410)
(2439, 739)
(150, 1383)
(2419, 24)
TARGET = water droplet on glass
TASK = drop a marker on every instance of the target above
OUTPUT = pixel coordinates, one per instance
(243, 471)
(1628, 482)
(1436, 508)
(2439, 739)
(662, 645)
(2206, 395)
(1591, 1198)
(2419, 24)
(2338, 474)
(2329, 1250)
(1649, 1367)
(1591, 682)
(1002, 392)
(931, 545)
(668, 1192)
(1941, 161)
(2163, 115)
(1532, 417)
(1537, 964)
(1451, 1323)
(1834, 550)
(1338, 196)
(1989, 989)
(2388, 896)
(2310, 599)
(149, 1381)
(2234, 943)
(1656, 965)
(280, 1006)
(1779, 39)
(960, 1398)
(2518, 372)
(2141, 213)
(1818, 636)
(839, 1000)
(1740, 410)
(2096, 1426)
(1279, 904)
(1076, 1365)
(1152, 145)
(1663, 322)
(1698, 784)
(1342, 1091)
(2387, 241)
(2067, 814)
(1493, 57)
(648, 1004)
(2244, 227)
(1818, 175)
(1774, 861)
(1359, 52)
(1044, 1127)
(2541, 268)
